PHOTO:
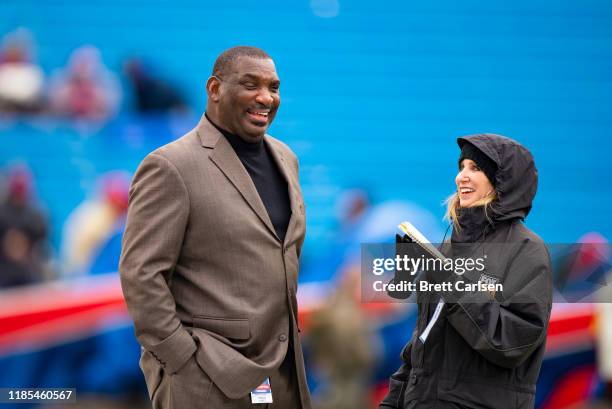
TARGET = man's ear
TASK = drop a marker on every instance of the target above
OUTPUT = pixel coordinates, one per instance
(213, 86)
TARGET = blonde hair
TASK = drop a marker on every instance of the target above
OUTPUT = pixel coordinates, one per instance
(452, 204)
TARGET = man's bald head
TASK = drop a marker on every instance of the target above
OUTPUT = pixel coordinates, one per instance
(227, 58)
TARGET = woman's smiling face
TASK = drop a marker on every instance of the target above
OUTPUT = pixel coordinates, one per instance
(472, 183)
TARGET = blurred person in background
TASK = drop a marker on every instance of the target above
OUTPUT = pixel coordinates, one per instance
(85, 89)
(94, 222)
(343, 348)
(151, 94)
(479, 349)
(604, 343)
(599, 257)
(21, 80)
(106, 258)
(23, 233)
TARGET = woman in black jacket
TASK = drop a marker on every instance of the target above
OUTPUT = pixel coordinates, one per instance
(481, 349)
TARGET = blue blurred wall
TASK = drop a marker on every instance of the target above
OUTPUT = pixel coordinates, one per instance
(374, 94)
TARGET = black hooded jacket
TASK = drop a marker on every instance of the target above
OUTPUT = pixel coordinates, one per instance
(484, 350)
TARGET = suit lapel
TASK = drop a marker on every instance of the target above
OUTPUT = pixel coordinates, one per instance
(283, 166)
(224, 157)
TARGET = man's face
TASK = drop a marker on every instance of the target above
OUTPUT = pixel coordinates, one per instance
(249, 97)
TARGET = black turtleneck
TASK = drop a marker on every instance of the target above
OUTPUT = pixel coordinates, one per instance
(268, 180)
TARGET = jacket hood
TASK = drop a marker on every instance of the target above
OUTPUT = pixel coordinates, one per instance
(516, 178)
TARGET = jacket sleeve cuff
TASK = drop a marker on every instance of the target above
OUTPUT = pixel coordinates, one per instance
(175, 350)
(395, 396)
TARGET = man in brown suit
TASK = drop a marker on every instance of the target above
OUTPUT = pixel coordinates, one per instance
(210, 253)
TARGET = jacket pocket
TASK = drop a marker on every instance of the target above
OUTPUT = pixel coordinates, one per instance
(234, 328)
(190, 386)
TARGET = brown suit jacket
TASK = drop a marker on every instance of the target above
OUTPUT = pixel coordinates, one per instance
(202, 269)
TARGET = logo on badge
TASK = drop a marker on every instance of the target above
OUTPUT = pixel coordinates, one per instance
(487, 280)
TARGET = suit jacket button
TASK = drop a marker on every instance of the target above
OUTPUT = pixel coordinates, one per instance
(282, 337)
